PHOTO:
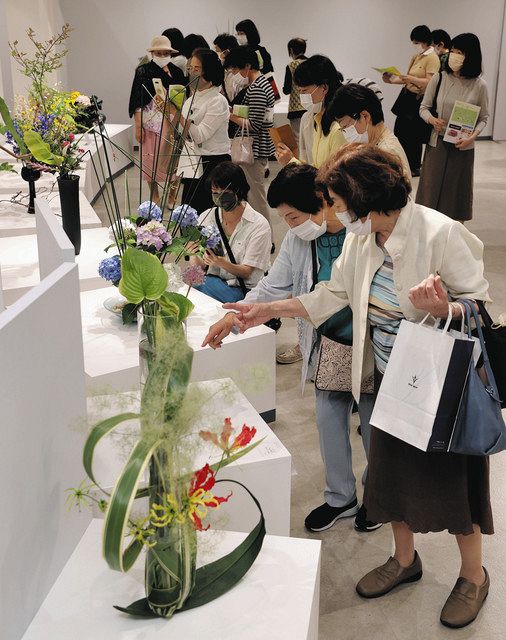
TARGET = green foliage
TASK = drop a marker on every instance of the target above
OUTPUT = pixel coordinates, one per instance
(175, 305)
(9, 126)
(142, 276)
(41, 150)
(6, 166)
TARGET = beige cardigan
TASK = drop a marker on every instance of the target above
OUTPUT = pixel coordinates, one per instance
(423, 241)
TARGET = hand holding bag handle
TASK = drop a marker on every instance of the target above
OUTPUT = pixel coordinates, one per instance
(480, 428)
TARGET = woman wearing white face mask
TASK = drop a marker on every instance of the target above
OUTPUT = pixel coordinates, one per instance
(359, 113)
(144, 106)
(319, 136)
(409, 128)
(446, 183)
(385, 273)
(310, 248)
(247, 34)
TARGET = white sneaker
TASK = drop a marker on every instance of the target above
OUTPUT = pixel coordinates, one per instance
(289, 356)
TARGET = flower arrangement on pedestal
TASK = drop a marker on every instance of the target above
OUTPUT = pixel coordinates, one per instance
(179, 497)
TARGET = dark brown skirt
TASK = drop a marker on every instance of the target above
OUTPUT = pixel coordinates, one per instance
(446, 180)
(427, 491)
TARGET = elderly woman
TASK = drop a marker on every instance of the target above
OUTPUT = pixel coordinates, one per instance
(386, 273)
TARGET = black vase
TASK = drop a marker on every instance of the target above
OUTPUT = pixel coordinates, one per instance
(30, 175)
(70, 213)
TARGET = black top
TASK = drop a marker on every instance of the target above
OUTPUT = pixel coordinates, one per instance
(144, 75)
(266, 57)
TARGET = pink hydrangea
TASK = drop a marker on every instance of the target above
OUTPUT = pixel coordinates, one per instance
(153, 234)
(194, 276)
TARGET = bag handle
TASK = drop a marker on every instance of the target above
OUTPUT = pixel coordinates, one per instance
(437, 320)
(469, 306)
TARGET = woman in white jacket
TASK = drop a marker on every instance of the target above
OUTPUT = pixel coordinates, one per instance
(386, 272)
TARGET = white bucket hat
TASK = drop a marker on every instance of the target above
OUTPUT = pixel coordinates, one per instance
(161, 43)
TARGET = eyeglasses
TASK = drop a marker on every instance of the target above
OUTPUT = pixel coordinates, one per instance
(194, 69)
(161, 54)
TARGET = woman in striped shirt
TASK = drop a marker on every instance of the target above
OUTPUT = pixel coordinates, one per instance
(260, 101)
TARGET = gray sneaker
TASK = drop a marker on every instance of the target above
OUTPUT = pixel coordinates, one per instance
(289, 356)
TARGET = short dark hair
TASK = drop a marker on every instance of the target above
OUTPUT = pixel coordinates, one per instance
(366, 178)
(241, 56)
(191, 42)
(422, 33)
(296, 185)
(176, 38)
(351, 99)
(469, 44)
(226, 42)
(249, 28)
(320, 70)
(440, 35)
(297, 46)
(230, 176)
(212, 69)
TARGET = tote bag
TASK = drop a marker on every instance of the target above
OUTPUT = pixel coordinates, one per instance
(423, 385)
(480, 428)
(242, 146)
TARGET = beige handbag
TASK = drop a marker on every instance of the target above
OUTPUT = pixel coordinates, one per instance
(241, 147)
(333, 371)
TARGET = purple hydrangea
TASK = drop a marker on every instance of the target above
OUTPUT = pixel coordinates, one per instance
(185, 215)
(194, 276)
(110, 269)
(149, 211)
(212, 235)
(153, 234)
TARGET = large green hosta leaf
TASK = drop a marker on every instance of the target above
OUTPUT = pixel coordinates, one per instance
(41, 150)
(176, 305)
(142, 276)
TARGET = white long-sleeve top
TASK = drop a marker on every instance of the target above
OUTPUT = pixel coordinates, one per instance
(471, 90)
(208, 113)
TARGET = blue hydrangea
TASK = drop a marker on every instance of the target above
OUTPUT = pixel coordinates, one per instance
(110, 269)
(185, 215)
(212, 234)
(149, 211)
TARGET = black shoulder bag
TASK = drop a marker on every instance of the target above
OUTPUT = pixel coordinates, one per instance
(228, 249)
(433, 112)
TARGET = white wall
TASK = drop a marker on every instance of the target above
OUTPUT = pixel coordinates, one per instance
(499, 132)
(110, 36)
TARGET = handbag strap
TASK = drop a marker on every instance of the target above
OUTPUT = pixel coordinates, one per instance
(228, 249)
(314, 263)
(434, 101)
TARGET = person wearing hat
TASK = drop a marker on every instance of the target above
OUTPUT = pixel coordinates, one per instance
(144, 108)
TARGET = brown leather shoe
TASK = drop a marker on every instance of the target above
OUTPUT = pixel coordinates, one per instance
(464, 602)
(380, 581)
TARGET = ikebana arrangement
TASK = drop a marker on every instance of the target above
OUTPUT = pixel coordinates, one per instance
(178, 496)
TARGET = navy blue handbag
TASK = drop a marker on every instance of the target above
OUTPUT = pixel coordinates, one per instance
(479, 428)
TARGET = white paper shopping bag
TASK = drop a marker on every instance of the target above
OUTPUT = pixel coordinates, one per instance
(422, 385)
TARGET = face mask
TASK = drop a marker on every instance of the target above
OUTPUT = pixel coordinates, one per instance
(352, 135)
(306, 100)
(242, 39)
(162, 62)
(193, 77)
(455, 61)
(418, 48)
(240, 81)
(226, 200)
(357, 227)
(309, 230)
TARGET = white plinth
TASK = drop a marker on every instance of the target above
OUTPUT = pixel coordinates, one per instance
(20, 262)
(280, 113)
(266, 470)
(15, 221)
(111, 353)
(278, 598)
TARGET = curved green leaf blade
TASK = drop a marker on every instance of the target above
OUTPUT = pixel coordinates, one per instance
(175, 301)
(100, 430)
(41, 150)
(6, 117)
(142, 276)
(120, 505)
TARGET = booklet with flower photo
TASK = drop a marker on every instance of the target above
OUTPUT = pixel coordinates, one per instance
(462, 121)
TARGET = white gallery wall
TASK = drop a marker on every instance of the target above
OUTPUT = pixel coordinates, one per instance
(110, 36)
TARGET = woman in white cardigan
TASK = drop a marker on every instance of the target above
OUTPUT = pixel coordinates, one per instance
(386, 272)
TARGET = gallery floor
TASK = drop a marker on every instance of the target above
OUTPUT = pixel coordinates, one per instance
(411, 612)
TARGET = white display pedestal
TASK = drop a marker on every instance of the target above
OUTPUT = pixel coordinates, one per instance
(20, 262)
(277, 599)
(266, 470)
(280, 113)
(111, 352)
(15, 221)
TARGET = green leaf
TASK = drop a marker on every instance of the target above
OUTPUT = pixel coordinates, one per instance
(142, 276)
(7, 166)
(9, 124)
(41, 150)
(236, 456)
(120, 505)
(129, 313)
(100, 430)
(170, 300)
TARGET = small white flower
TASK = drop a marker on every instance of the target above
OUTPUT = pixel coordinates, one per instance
(127, 227)
(83, 101)
(175, 278)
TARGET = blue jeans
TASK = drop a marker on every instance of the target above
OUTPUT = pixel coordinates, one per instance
(218, 289)
(333, 413)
